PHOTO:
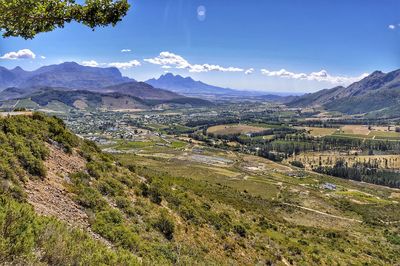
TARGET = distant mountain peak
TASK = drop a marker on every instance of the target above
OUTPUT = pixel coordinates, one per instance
(18, 68)
(376, 73)
(70, 63)
(170, 75)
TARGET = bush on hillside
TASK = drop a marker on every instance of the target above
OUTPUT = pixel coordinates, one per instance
(165, 225)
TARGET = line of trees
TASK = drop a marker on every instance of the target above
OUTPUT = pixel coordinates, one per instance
(365, 172)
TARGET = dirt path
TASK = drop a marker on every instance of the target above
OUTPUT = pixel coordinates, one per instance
(323, 213)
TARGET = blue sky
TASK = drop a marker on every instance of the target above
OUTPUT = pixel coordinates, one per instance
(285, 45)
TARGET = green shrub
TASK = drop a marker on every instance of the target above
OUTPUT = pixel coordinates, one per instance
(240, 230)
(155, 195)
(144, 188)
(110, 224)
(17, 230)
(297, 164)
(151, 192)
(110, 187)
(23, 233)
(221, 221)
(5, 171)
(188, 213)
(89, 198)
(122, 202)
(165, 225)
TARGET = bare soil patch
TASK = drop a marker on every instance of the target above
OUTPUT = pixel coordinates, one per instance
(49, 196)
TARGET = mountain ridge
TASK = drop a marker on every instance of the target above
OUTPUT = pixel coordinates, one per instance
(69, 77)
(67, 74)
(186, 85)
(190, 87)
(377, 91)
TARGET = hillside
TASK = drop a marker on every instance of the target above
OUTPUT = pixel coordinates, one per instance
(141, 90)
(87, 99)
(7, 78)
(130, 212)
(68, 75)
(378, 91)
(51, 98)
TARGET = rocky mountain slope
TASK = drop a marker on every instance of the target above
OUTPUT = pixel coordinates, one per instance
(378, 91)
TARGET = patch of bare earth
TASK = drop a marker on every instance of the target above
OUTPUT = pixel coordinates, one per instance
(49, 197)
(80, 104)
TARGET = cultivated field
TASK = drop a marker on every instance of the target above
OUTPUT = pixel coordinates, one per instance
(320, 132)
(234, 129)
(356, 131)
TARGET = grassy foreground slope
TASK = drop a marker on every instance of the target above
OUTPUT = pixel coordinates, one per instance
(143, 211)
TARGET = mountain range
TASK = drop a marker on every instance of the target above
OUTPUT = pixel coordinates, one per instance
(92, 86)
(68, 75)
(187, 85)
(190, 87)
(378, 92)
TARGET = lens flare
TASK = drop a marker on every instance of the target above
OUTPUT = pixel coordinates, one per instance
(201, 13)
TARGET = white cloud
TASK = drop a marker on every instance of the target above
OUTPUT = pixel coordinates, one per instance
(21, 54)
(249, 71)
(126, 50)
(90, 63)
(125, 65)
(171, 60)
(322, 75)
(42, 57)
(391, 26)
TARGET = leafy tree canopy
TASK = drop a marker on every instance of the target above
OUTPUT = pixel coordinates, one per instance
(26, 18)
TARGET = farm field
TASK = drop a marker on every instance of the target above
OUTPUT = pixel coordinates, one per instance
(234, 129)
(320, 132)
(355, 131)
